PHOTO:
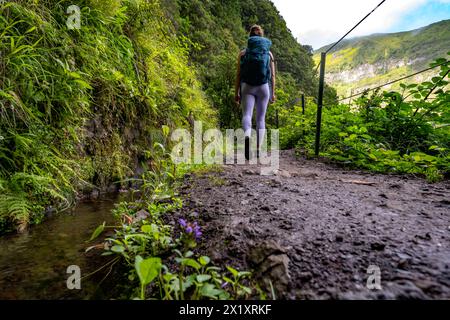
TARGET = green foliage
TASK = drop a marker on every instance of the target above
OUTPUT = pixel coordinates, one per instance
(385, 132)
(147, 270)
(162, 262)
(79, 107)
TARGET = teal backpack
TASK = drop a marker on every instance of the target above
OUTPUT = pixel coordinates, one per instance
(255, 63)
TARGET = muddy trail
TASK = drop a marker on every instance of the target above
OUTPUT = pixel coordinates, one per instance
(315, 229)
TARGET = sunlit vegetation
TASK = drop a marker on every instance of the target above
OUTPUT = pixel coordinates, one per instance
(79, 107)
(402, 132)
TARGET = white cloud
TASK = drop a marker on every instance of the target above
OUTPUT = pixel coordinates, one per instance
(320, 22)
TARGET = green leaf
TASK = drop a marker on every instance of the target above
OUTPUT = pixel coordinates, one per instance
(83, 84)
(98, 231)
(150, 228)
(203, 277)
(147, 269)
(204, 260)
(233, 271)
(165, 130)
(31, 30)
(191, 263)
(244, 274)
(247, 290)
(118, 249)
(436, 79)
(75, 75)
(210, 291)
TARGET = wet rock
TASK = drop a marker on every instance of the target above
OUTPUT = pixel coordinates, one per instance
(286, 225)
(426, 285)
(261, 252)
(305, 276)
(283, 173)
(275, 182)
(234, 183)
(50, 212)
(251, 232)
(95, 194)
(404, 260)
(403, 263)
(272, 266)
(377, 246)
(113, 188)
(141, 215)
(406, 290)
(426, 237)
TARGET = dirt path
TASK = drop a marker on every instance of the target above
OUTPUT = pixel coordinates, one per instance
(315, 229)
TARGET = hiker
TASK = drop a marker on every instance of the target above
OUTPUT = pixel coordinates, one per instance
(255, 84)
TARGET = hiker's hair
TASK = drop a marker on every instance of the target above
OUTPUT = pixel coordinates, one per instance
(256, 30)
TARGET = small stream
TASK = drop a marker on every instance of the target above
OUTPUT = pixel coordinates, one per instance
(33, 265)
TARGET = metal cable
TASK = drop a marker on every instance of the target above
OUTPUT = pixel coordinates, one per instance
(343, 37)
(394, 81)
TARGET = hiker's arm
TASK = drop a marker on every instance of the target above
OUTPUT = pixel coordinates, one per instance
(273, 70)
(237, 86)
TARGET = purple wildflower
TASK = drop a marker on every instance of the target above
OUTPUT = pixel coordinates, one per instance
(183, 223)
(197, 231)
(191, 228)
(198, 234)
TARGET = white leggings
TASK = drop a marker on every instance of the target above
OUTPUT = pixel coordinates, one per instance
(251, 96)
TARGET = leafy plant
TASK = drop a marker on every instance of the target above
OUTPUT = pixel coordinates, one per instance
(402, 132)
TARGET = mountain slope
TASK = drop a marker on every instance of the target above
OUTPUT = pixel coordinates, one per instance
(363, 62)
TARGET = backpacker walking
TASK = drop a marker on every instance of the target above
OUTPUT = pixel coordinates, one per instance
(255, 84)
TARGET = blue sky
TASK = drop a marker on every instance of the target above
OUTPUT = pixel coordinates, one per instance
(320, 22)
(422, 16)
